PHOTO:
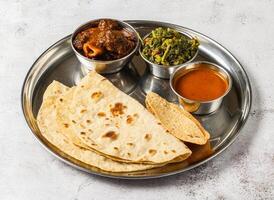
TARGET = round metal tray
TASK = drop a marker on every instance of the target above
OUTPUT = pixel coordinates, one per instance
(59, 63)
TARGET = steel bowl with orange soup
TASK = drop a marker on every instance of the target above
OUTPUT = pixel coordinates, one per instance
(201, 86)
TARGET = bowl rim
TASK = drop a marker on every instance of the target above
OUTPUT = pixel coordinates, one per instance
(184, 66)
(77, 30)
(168, 66)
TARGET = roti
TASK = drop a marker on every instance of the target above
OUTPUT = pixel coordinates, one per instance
(114, 124)
(62, 105)
(48, 126)
(184, 126)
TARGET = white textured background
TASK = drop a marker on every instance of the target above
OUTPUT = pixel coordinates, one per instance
(244, 171)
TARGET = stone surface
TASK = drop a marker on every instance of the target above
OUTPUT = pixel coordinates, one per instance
(244, 171)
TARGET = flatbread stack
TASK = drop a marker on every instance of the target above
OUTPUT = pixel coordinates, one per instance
(99, 125)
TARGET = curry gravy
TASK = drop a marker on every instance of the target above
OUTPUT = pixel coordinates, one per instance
(202, 84)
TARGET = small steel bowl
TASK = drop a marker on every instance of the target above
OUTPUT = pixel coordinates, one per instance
(200, 107)
(163, 71)
(101, 66)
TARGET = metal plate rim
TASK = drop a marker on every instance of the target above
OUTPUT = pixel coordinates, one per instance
(243, 121)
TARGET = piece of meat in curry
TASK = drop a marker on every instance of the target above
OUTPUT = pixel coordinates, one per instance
(107, 41)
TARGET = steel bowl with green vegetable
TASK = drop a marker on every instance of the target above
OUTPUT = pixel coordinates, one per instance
(165, 49)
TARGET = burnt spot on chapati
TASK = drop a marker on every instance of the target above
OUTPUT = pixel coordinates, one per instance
(117, 109)
(152, 152)
(101, 114)
(66, 125)
(148, 137)
(116, 148)
(96, 96)
(129, 119)
(88, 121)
(111, 134)
(83, 110)
(130, 144)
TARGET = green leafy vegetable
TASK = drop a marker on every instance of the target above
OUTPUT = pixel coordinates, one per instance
(165, 46)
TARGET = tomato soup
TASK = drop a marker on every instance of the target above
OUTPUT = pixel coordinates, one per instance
(201, 84)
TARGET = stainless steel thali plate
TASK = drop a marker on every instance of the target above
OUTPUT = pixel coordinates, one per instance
(59, 63)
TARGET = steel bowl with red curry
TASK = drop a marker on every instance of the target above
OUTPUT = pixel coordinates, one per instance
(105, 40)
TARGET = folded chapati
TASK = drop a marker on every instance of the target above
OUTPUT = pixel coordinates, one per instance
(176, 120)
(114, 124)
(49, 128)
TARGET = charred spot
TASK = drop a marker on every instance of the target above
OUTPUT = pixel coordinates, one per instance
(101, 114)
(83, 110)
(96, 95)
(173, 151)
(135, 115)
(129, 119)
(66, 125)
(152, 151)
(88, 121)
(83, 133)
(165, 152)
(129, 154)
(61, 100)
(130, 144)
(117, 125)
(73, 121)
(117, 109)
(82, 86)
(116, 148)
(159, 123)
(148, 136)
(111, 134)
(89, 130)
